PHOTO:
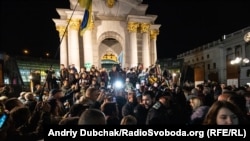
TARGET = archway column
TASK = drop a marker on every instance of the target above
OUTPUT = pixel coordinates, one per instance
(145, 44)
(61, 28)
(154, 31)
(74, 54)
(88, 46)
(74, 20)
(132, 28)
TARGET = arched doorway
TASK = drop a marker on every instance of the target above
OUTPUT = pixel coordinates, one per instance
(109, 59)
(110, 51)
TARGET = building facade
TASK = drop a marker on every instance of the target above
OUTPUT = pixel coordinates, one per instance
(23, 71)
(213, 61)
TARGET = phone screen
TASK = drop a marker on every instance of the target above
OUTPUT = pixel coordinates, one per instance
(3, 119)
(37, 98)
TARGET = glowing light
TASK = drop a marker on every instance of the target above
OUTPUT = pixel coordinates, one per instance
(118, 84)
(25, 51)
(238, 60)
(30, 77)
(246, 60)
(174, 74)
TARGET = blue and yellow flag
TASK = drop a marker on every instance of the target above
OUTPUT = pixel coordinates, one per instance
(87, 5)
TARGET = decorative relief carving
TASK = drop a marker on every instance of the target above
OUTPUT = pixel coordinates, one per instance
(154, 33)
(74, 24)
(61, 30)
(144, 27)
(133, 26)
(110, 3)
(91, 25)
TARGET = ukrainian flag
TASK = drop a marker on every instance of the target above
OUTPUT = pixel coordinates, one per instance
(87, 5)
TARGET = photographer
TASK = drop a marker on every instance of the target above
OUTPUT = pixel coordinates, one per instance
(49, 78)
(57, 100)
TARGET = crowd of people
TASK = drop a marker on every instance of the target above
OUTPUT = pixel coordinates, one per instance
(121, 96)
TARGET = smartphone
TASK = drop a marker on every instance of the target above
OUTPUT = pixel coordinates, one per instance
(37, 98)
(114, 99)
(109, 86)
(3, 119)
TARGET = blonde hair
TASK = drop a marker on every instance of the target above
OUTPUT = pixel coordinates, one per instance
(196, 102)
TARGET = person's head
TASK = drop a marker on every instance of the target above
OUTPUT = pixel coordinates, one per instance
(94, 82)
(195, 91)
(247, 97)
(76, 110)
(38, 86)
(225, 95)
(238, 100)
(71, 71)
(147, 99)
(206, 90)
(20, 115)
(3, 99)
(12, 103)
(110, 109)
(83, 69)
(92, 93)
(77, 75)
(22, 94)
(131, 96)
(224, 113)
(84, 75)
(195, 102)
(164, 98)
(102, 84)
(92, 117)
(114, 68)
(128, 120)
(29, 96)
(62, 66)
(223, 85)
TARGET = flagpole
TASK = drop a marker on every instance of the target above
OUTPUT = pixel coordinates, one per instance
(66, 28)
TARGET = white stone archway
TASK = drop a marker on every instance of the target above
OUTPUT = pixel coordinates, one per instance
(123, 22)
(110, 42)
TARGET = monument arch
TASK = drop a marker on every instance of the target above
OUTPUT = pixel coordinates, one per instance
(111, 43)
(118, 26)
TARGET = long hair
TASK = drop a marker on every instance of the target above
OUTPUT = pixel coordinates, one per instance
(210, 118)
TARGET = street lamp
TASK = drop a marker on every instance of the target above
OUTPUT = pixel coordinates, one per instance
(247, 37)
(239, 61)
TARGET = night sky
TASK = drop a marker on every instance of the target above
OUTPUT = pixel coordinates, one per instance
(27, 24)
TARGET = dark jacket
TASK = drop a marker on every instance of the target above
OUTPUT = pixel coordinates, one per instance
(159, 114)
